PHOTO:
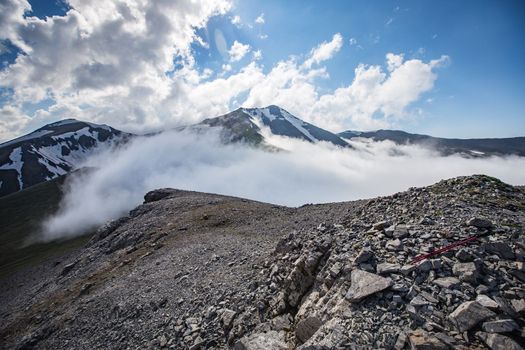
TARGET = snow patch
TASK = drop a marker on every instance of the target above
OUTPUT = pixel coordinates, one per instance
(55, 170)
(16, 164)
(75, 134)
(258, 113)
(298, 124)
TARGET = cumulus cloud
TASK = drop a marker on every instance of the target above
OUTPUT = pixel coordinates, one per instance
(236, 20)
(393, 61)
(12, 20)
(238, 51)
(257, 55)
(372, 93)
(12, 121)
(325, 50)
(305, 173)
(260, 19)
(105, 61)
(130, 64)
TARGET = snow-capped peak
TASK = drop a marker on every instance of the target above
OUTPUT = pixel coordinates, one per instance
(51, 151)
(283, 123)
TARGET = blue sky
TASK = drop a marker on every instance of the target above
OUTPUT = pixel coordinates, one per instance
(481, 93)
(477, 89)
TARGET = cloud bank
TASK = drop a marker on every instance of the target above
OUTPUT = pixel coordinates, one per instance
(304, 173)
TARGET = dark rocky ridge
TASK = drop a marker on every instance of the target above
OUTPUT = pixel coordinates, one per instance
(199, 271)
(467, 147)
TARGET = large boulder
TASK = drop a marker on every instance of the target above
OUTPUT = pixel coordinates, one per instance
(468, 315)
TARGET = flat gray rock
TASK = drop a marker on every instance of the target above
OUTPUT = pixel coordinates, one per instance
(466, 272)
(364, 284)
(487, 302)
(262, 341)
(498, 342)
(307, 327)
(447, 282)
(386, 268)
(500, 326)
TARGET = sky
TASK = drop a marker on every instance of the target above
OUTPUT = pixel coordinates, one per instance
(447, 68)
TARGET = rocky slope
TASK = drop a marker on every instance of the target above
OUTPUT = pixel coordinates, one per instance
(51, 151)
(466, 147)
(199, 271)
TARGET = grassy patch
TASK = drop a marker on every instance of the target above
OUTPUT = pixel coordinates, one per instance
(21, 214)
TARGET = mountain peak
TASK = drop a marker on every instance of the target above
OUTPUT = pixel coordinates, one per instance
(245, 124)
(51, 151)
(63, 122)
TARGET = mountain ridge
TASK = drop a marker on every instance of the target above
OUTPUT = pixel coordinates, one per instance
(473, 147)
(57, 148)
(52, 150)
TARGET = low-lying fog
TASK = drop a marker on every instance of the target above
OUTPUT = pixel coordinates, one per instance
(304, 173)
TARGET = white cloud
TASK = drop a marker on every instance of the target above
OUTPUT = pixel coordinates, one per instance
(393, 61)
(108, 57)
(325, 50)
(260, 19)
(238, 51)
(263, 36)
(12, 122)
(12, 20)
(257, 55)
(375, 98)
(236, 20)
(352, 41)
(130, 65)
(306, 173)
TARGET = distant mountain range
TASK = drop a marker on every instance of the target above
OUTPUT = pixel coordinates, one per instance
(467, 147)
(60, 147)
